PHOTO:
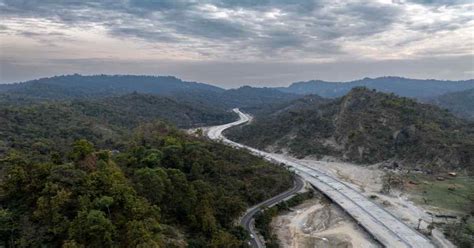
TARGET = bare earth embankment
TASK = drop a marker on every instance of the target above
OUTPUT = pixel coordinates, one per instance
(319, 223)
(322, 224)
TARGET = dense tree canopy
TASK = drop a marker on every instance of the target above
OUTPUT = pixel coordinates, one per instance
(162, 189)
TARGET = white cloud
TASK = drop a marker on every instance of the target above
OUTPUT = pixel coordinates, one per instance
(308, 31)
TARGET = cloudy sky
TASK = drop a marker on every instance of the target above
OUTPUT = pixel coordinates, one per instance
(236, 42)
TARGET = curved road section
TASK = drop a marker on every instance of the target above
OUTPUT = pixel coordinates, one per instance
(383, 226)
(247, 220)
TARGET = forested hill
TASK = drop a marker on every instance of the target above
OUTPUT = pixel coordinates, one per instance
(100, 86)
(162, 189)
(131, 109)
(366, 127)
(78, 86)
(107, 173)
(460, 103)
(414, 88)
(54, 125)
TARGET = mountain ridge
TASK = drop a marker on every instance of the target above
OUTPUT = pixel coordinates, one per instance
(389, 84)
(366, 127)
(76, 86)
(79, 86)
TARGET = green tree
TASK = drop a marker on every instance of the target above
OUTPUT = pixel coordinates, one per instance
(104, 202)
(152, 158)
(92, 228)
(52, 208)
(144, 233)
(224, 240)
(173, 157)
(81, 149)
(180, 198)
(8, 228)
(151, 183)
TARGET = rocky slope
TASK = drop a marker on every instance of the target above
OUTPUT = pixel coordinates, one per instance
(366, 127)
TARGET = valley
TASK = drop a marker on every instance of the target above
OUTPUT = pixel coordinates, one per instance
(365, 181)
(237, 124)
(390, 169)
(382, 225)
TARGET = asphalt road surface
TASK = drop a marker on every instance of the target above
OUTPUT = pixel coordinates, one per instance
(248, 218)
(382, 225)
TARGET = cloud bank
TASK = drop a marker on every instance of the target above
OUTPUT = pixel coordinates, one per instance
(211, 40)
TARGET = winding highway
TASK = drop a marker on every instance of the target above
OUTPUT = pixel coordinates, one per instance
(247, 220)
(382, 225)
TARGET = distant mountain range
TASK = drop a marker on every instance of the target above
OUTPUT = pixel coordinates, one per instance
(94, 87)
(414, 88)
(78, 86)
(250, 99)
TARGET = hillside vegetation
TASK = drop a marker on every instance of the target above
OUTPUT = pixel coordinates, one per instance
(162, 189)
(460, 103)
(40, 127)
(366, 127)
(108, 174)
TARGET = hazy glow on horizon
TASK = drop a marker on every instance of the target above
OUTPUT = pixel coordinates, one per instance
(238, 42)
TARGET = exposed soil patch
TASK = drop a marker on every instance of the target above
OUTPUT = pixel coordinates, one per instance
(369, 181)
(319, 223)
